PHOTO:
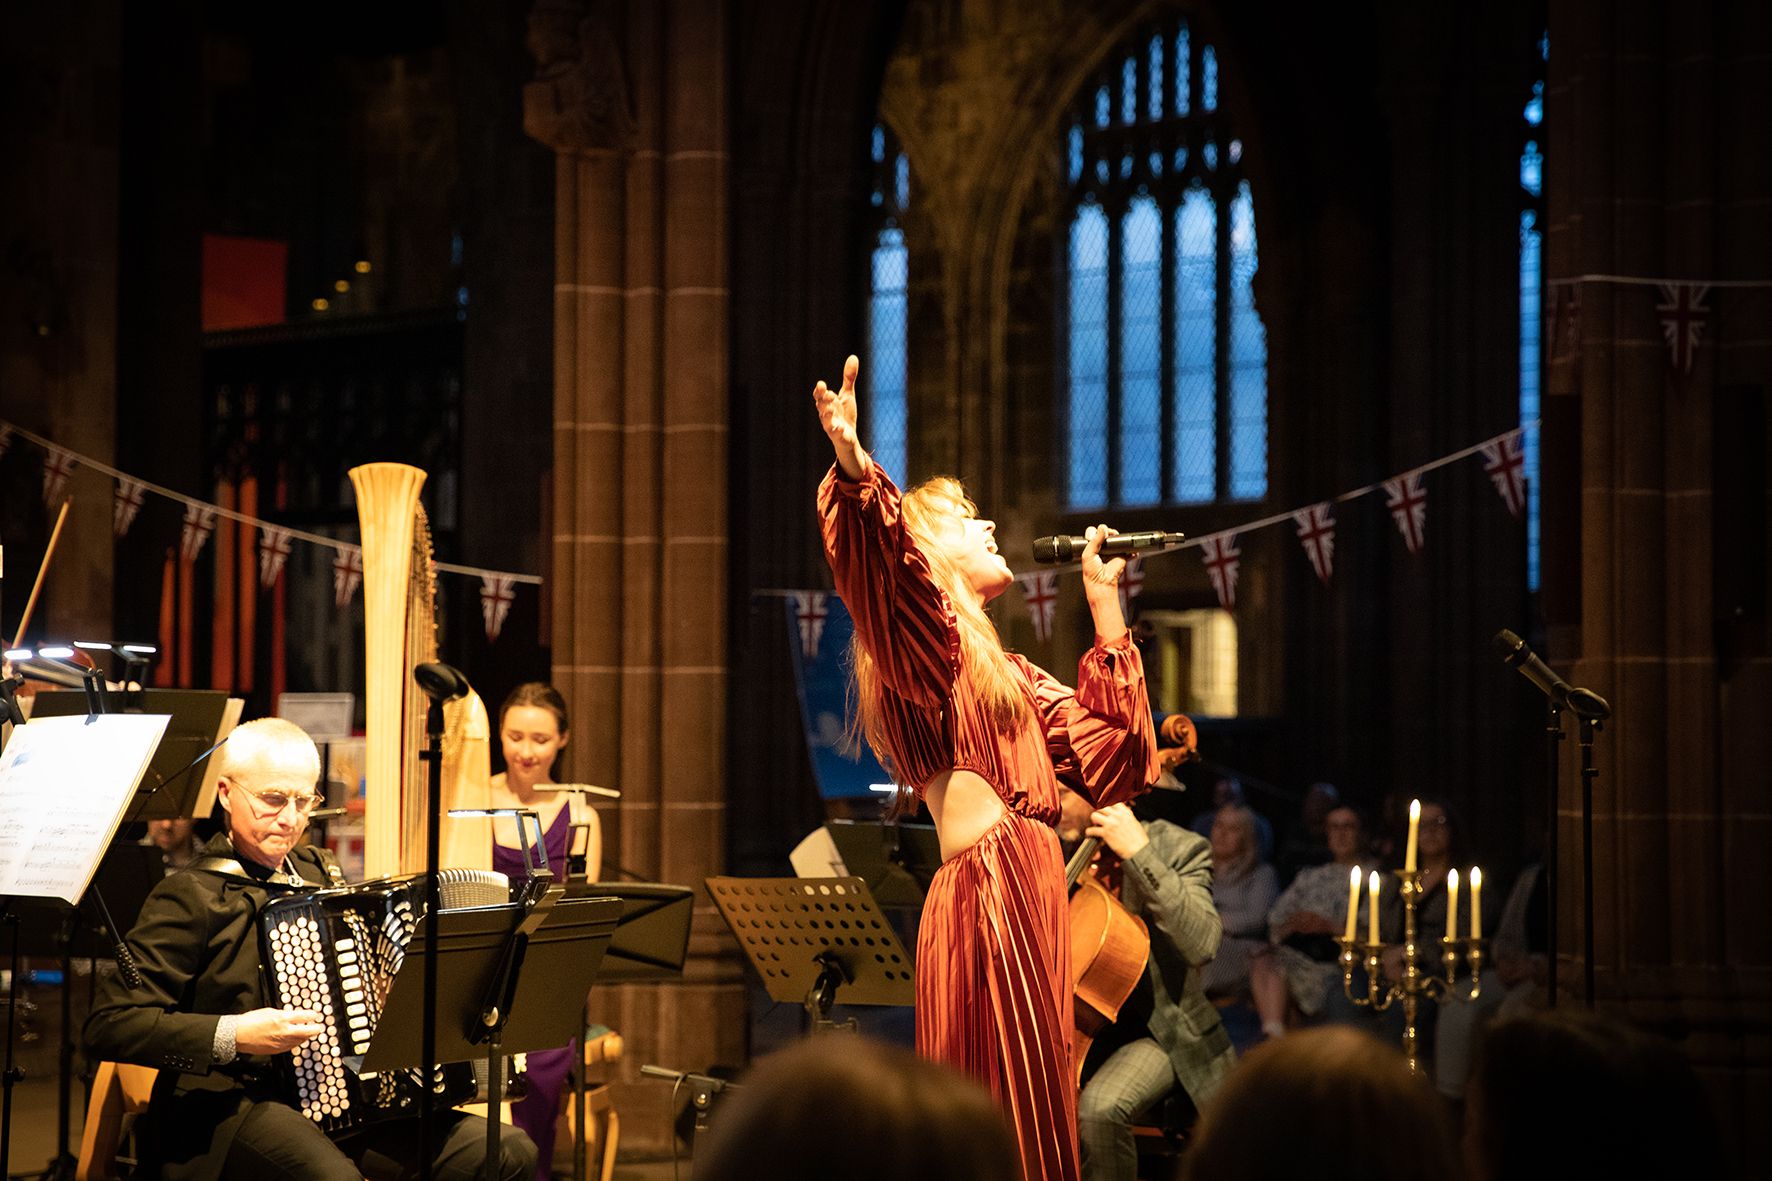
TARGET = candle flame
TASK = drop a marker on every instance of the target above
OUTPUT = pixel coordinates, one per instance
(1452, 880)
(1477, 879)
(1353, 879)
(1414, 810)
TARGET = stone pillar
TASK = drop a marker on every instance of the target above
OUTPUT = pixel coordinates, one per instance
(58, 302)
(1657, 169)
(632, 98)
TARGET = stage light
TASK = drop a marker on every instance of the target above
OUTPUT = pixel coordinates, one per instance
(321, 304)
(362, 267)
(341, 286)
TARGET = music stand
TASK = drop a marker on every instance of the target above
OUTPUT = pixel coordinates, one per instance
(807, 937)
(178, 776)
(563, 956)
(652, 936)
(897, 861)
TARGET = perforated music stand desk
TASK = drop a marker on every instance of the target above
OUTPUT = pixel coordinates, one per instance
(808, 937)
(898, 861)
(196, 715)
(562, 960)
(652, 937)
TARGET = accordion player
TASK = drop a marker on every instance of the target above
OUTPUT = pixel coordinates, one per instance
(192, 999)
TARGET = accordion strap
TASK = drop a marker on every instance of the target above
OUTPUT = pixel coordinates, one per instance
(230, 868)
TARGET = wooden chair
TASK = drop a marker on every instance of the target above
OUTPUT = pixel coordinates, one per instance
(602, 1125)
(118, 1090)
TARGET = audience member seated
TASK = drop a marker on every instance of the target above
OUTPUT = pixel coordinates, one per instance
(1567, 1093)
(1303, 925)
(1243, 888)
(1226, 793)
(1326, 1104)
(1307, 842)
(843, 1106)
(1518, 948)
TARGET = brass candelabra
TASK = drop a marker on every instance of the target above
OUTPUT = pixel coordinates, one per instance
(1418, 979)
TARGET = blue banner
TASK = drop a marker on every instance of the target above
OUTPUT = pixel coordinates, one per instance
(819, 630)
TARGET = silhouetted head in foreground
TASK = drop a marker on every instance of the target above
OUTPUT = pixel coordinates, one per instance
(1330, 1104)
(844, 1106)
(1571, 1093)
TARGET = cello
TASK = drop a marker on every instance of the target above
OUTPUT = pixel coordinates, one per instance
(1109, 944)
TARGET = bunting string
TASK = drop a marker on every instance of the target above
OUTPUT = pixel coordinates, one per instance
(200, 515)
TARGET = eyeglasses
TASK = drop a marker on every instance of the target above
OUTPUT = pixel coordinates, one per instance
(274, 802)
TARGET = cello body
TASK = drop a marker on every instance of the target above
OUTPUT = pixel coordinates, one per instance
(1109, 948)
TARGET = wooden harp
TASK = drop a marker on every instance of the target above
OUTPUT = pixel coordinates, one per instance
(400, 633)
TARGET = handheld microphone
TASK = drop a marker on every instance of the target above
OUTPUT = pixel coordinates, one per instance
(1583, 703)
(1062, 548)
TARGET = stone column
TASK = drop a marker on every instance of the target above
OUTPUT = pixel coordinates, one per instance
(632, 98)
(1657, 169)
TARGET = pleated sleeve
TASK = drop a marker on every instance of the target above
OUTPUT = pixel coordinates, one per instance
(1100, 735)
(903, 619)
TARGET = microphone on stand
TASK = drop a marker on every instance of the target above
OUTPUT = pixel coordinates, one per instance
(1063, 548)
(1583, 703)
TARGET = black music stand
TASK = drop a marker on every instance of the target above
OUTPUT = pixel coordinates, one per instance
(562, 958)
(50, 927)
(649, 945)
(808, 937)
(897, 861)
(171, 787)
(652, 937)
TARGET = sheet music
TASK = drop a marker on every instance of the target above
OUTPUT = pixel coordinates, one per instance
(64, 785)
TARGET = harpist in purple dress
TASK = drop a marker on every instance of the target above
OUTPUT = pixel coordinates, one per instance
(548, 1070)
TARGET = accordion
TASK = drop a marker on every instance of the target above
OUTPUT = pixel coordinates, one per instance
(336, 952)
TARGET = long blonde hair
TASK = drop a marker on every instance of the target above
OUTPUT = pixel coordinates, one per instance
(983, 663)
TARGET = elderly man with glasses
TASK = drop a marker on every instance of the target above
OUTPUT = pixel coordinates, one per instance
(198, 1011)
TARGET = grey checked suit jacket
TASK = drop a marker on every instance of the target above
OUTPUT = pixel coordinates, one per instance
(1168, 884)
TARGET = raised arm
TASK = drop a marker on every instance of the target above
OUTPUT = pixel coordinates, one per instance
(903, 619)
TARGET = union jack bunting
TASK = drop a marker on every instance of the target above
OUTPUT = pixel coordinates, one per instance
(347, 573)
(273, 551)
(1040, 589)
(1131, 584)
(1316, 529)
(497, 593)
(810, 612)
(126, 502)
(1505, 462)
(1683, 315)
(58, 465)
(1407, 501)
(1221, 557)
(199, 524)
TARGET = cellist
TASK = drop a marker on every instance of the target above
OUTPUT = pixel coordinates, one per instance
(1168, 1036)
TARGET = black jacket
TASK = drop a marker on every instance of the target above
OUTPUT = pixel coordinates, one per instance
(196, 947)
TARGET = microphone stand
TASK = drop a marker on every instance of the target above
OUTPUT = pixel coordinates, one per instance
(433, 757)
(1586, 727)
(1553, 753)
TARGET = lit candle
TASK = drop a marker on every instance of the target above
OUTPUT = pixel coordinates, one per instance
(1476, 903)
(1414, 833)
(1452, 904)
(1372, 911)
(1353, 902)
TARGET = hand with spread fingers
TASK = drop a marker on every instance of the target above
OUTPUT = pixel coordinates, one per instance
(837, 416)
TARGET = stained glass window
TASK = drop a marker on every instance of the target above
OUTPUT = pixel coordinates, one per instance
(884, 423)
(1531, 298)
(1166, 381)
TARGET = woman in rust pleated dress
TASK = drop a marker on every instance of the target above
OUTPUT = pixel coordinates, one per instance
(984, 738)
